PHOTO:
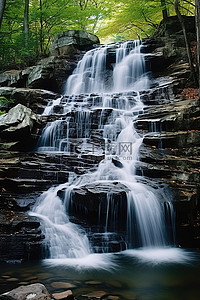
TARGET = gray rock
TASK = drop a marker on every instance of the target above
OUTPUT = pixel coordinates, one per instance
(15, 77)
(36, 99)
(51, 73)
(69, 41)
(42, 74)
(35, 291)
(18, 122)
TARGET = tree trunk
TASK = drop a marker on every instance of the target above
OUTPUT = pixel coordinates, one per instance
(2, 8)
(26, 22)
(164, 9)
(197, 14)
(41, 29)
(189, 54)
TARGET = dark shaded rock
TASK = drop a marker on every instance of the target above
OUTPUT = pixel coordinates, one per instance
(107, 242)
(172, 153)
(88, 200)
(174, 139)
(18, 128)
(168, 51)
(180, 115)
(35, 291)
(172, 26)
(51, 73)
(117, 163)
(35, 99)
(20, 236)
(17, 78)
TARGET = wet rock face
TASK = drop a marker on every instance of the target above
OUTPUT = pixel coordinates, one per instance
(19, 234)
(170, 151)
(96, 207)
(95, 198)
(51, 73)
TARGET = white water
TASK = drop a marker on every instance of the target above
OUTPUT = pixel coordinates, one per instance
(145, 212)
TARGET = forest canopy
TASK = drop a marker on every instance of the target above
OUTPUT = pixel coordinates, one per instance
(27, 27)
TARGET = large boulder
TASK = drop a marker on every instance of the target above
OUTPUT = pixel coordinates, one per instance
(36, 291)
(92, 197)
(15, 78)
(171, 26)
(18, 123)
(35, 99)
(51, 73)
(69, 41)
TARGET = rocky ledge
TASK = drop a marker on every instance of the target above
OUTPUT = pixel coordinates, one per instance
(51, 72)
(171, 152)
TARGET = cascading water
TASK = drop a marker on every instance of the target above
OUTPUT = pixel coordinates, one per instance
(116, 95)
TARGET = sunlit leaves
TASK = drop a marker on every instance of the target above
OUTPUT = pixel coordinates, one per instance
(110, 20)
(140, 18)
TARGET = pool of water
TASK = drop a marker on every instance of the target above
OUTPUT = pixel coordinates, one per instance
(142, 274)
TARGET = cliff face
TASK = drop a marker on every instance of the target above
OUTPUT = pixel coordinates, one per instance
(169, 153)
(172, 154)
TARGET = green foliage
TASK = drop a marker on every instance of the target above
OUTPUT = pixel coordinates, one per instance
(140, 18)
(46, 18)
(110, 20)
(14, 53)
(5, 104)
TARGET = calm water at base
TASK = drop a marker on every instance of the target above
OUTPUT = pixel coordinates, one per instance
(167, 274)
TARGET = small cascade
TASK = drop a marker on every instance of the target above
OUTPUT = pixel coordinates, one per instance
(89, 75)
(144, 208)
(129, 70)
(101, 104)
(64, 239)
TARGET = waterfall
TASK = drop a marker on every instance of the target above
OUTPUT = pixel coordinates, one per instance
(107, 102)
(65, 239)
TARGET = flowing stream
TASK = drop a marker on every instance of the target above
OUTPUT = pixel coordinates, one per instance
(104, 98)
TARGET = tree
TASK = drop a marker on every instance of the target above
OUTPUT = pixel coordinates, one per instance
(197, 14)
(164, 9)
(26, 21)
(189, 54)
(2, 9)
(134, 19)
